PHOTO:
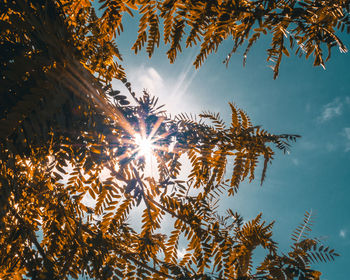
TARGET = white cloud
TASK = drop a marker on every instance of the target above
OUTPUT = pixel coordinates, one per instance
(347, 100)
(342, 233)
(331, 147)
(308, 108)
(151, 80)
(346, 133)
(171, 90)
(331, 110)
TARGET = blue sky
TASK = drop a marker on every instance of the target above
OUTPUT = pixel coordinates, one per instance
(304, 100)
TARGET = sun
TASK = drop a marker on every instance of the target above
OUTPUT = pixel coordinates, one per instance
(144, 145)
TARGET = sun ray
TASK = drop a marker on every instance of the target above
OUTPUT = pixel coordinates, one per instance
(142, 129)
(77, 83)
(156, 126)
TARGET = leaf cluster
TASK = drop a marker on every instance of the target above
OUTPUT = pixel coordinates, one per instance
(309, 27)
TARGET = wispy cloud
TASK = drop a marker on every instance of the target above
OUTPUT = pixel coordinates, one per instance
(346, 133)
(331, 110)
(347, 100)
(151, 80)
(171, 91)
(295, 161)
(308, 108)
(343, 233)
(183, 81)
(331, 147)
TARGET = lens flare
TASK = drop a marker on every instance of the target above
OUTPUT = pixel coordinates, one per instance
(144, 146)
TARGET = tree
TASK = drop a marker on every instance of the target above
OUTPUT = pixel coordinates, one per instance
(65, 133)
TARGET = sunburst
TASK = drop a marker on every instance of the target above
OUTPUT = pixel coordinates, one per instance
(144, 146)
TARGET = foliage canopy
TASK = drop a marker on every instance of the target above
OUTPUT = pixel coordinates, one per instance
(304, 27)
(66, 134)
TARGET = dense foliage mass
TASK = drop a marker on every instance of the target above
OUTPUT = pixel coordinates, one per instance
(308, 28)
(66, 135)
